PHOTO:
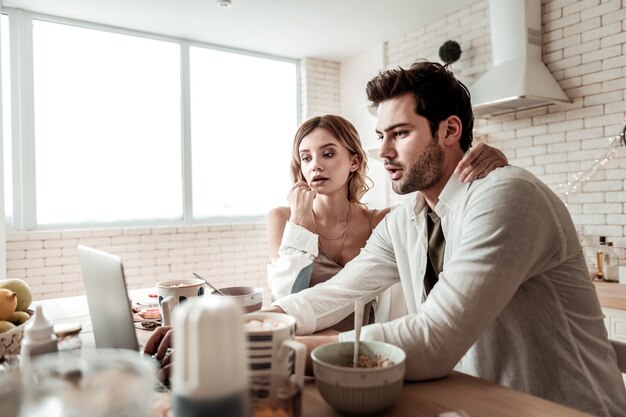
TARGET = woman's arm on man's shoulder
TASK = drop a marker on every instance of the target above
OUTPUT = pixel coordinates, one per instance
(479, 161)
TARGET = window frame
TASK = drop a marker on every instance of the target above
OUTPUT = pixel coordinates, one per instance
(23, 135)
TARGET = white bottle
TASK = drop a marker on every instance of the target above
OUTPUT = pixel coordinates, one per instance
(39, 337)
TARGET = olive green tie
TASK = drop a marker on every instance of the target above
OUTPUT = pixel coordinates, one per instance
(436, 250)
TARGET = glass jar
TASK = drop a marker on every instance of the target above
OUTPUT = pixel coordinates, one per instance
(102, 383)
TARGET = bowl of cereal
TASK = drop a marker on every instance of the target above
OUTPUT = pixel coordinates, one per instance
(367, 389)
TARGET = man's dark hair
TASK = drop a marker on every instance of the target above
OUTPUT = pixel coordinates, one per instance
(438, 94)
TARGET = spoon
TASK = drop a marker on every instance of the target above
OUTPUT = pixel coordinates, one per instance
(358, 321)
(195, 274)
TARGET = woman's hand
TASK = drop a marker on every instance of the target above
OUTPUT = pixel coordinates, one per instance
(301, 199)
(479, 161)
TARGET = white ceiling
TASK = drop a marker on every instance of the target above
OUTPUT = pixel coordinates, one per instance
(325, 29)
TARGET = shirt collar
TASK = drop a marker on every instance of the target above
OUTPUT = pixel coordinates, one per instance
(451, 196)
(449, 199)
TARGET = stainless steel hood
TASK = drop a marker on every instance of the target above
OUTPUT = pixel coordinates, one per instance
(518, 80)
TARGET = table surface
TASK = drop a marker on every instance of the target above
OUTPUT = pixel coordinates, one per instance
(458, 391)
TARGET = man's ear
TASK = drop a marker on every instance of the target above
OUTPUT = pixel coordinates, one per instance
(452, 130)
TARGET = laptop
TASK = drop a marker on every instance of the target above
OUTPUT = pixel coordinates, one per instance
(109, 305)
(107, 298)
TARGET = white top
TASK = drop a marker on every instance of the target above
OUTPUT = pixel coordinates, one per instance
(297, 252)
(513, 303)
(292, 269)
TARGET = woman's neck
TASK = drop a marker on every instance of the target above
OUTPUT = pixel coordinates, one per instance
(331, 210)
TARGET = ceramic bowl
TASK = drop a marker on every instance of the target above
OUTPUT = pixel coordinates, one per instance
(358, 391)
(249, 298)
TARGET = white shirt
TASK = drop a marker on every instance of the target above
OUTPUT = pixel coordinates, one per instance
(513, 304)
(292, 269)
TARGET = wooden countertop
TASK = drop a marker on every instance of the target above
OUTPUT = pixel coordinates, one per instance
(476, 397)
(611, 294)
(458, 391)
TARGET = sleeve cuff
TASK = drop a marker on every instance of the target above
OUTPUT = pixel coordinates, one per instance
(300, 238)
(301, 310)
(370, 332)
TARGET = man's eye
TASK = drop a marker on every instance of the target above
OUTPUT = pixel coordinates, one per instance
(400, 133)
(380, 138)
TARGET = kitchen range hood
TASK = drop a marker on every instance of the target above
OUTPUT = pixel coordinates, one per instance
(518, 80)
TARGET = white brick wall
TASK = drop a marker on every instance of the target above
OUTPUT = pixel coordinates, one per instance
(319, 88)
(584, 45)
(227, 255)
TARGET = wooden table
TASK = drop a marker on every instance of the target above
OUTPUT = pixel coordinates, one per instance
(476, 397)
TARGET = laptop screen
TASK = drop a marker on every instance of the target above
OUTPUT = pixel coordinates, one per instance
(107, 298)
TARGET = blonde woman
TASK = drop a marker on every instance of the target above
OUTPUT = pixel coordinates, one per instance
(326, 223)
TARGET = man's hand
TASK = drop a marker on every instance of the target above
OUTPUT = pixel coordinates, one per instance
(313, 341)
(159, 346)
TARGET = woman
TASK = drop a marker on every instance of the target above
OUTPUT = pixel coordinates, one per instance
(326, 224)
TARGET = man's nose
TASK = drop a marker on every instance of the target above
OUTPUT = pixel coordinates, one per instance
(386, 151)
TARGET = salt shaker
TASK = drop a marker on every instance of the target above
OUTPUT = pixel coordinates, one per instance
(210, 372)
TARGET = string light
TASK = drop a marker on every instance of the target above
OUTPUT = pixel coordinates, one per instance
(585, 175)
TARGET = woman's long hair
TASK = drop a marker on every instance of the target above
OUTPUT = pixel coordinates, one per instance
(346, 134)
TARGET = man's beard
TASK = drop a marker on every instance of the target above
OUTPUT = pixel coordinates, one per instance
(424, 173)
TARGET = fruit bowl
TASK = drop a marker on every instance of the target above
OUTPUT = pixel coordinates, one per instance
(11, 341)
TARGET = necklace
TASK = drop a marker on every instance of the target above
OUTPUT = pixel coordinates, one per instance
(342, 235)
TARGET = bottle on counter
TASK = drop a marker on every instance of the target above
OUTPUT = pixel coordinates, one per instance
(39, 337)
(600, 251)
(610, 264)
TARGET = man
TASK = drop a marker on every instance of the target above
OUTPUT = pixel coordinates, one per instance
(493, 274)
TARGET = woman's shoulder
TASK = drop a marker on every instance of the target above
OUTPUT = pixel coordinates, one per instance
(280, 212)
(276, 220)
(377, 215)
(278, 216)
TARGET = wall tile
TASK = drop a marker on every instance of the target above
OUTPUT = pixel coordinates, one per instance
(49, 263)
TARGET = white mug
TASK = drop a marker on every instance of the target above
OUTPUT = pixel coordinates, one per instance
(272, 349)
(174, 292)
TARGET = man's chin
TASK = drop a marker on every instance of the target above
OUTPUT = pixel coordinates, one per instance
(398, 188)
